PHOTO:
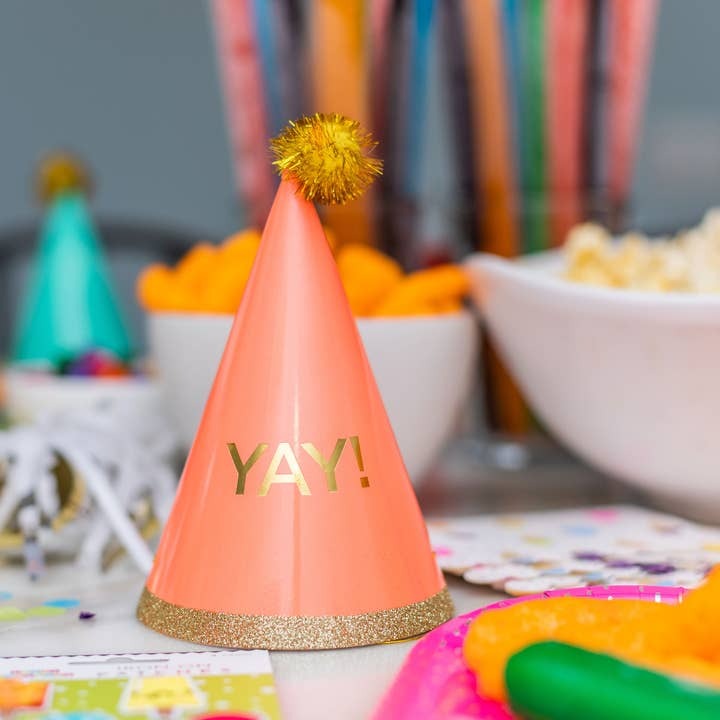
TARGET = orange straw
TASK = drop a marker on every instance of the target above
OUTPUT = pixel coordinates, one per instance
(340, 73)
(497, 206)
(491, 119)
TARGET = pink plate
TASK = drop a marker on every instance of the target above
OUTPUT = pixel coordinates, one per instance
(434, 681)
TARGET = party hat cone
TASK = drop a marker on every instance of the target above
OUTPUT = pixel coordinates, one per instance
(295, 525)
(70, 306)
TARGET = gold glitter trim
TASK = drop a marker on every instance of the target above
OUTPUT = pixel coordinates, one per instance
(269, 632)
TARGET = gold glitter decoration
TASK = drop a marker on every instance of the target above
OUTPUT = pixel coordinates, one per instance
(326, 155)
(268, 632)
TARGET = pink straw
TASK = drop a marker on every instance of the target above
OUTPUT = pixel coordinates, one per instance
(245, 105)
(631, 34)
(567, 26)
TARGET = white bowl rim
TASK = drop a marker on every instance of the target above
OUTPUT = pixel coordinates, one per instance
(461, 315)
(534, 271)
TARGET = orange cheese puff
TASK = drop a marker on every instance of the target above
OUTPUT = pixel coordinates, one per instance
(426, 292)
(621, 627)
(367, 276)
(225, 289)
(448, 305)
(196, 267)
(241, 245)
(157, 289)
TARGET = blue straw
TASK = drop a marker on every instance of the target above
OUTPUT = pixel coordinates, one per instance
(511, 34)
(264, 21)
(420, 47)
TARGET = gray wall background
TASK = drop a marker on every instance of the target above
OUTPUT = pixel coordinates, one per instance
(678, 170)
(132, 86)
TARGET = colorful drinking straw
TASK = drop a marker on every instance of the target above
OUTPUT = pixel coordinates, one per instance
(436, 239)
(458, 101)
(419, 80)
(495, 179)
(594, 126)
(513, 61)
(567, 28)
(631, 32)
(266, 32)
(380, 20)
(242, 81)
(489, 100)
(339, 74)
(532, 125)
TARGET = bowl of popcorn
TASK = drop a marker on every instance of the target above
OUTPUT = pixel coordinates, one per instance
(420, 339)
(615, 343)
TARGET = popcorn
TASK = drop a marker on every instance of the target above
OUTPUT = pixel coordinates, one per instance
(689, 262)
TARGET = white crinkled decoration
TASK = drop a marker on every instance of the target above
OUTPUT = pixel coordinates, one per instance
(120, 455)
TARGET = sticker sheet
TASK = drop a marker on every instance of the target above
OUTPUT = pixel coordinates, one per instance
(535, 552)
(228, 685)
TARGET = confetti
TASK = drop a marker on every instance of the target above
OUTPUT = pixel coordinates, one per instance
(62, 603)
(598, 546)
(9, 614)
(44, 611)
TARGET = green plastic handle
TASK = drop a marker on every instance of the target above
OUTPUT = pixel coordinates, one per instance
(554, 681)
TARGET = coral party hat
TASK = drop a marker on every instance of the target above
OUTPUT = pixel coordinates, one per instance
(295, 525)
(70, 306)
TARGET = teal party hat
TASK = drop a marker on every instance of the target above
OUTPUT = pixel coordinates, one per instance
(70, 306)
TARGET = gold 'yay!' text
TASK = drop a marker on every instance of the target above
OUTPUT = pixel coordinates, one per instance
(285, 452)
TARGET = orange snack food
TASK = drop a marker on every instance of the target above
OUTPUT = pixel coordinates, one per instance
(679, 639)
(196, 266)
(437, 290)
(212, 279)
(367, 275)
(225, 286)
(158, 290)
(241, 246)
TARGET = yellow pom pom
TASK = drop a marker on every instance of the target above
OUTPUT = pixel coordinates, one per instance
(326, 156)
(61, 172)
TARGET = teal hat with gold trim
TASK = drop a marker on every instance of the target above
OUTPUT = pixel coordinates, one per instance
(70, 306)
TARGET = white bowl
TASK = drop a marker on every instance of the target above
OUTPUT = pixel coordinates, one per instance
(423, 367)
(30, 394)
(628, 380)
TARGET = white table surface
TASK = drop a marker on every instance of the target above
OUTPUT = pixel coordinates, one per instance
(313, 685)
